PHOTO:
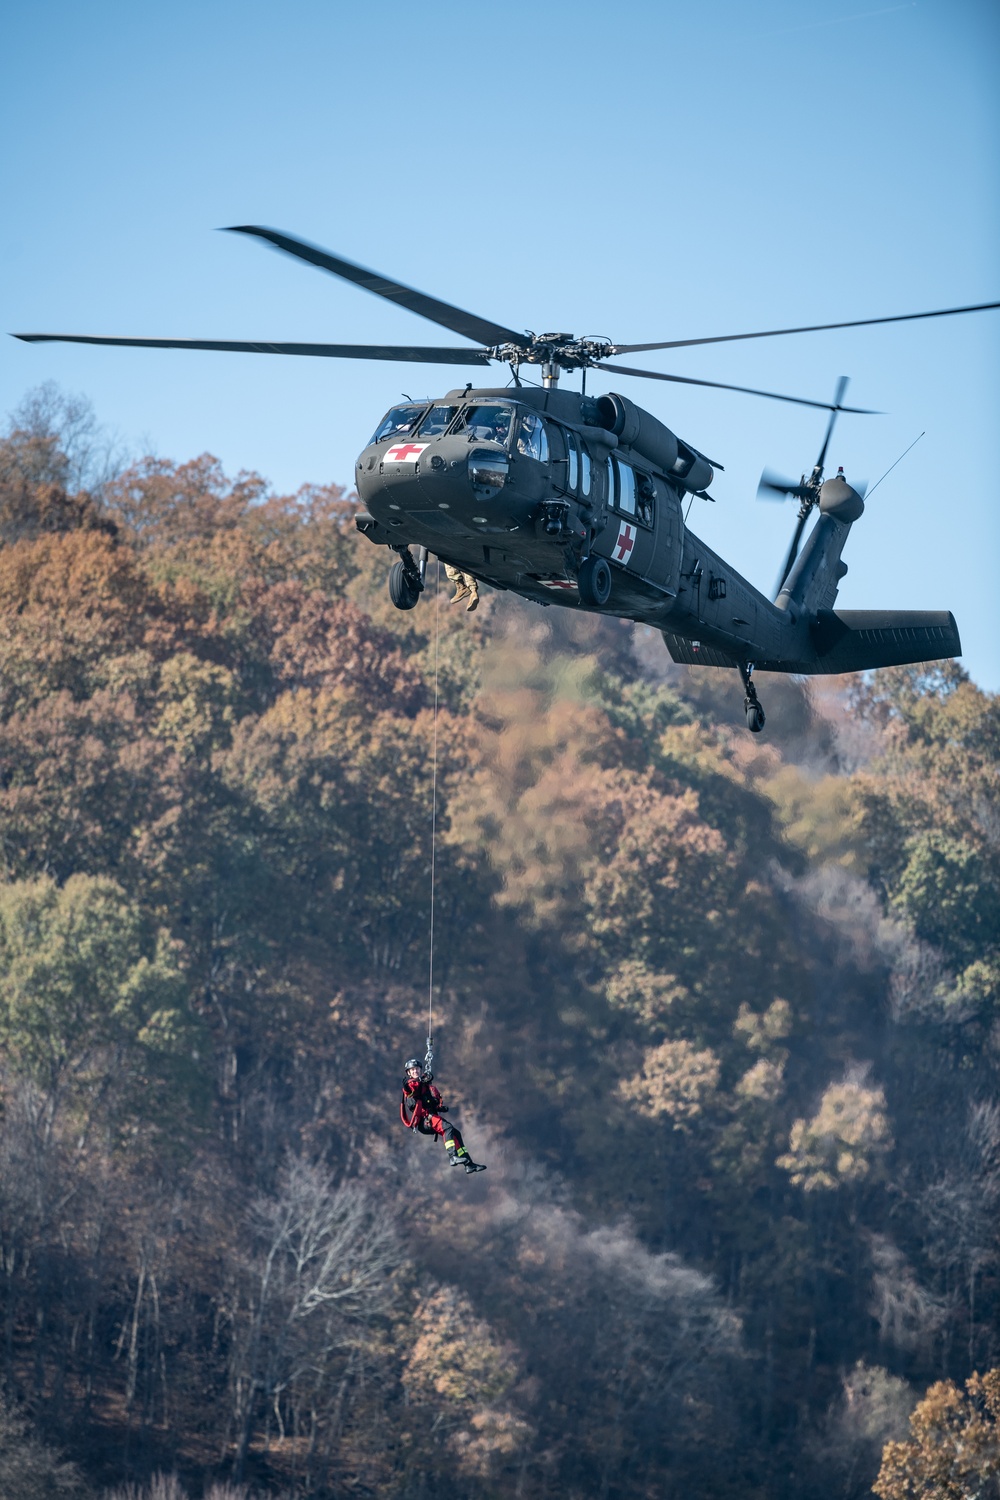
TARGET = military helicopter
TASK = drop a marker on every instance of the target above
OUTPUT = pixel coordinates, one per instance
(578, 500)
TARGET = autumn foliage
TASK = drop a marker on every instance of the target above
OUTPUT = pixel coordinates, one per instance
(721, 1016)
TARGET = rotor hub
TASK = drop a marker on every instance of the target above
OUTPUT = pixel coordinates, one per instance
(558, 351)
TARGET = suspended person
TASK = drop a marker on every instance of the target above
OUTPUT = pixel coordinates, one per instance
(466, 587)
(421, 1109)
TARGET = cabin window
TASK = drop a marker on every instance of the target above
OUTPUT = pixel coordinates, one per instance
(584, 471)
(401, 419)
(626, 488)
(532, 439)
(645, 494)
(436, 420)
(486, 423)
(573, 452)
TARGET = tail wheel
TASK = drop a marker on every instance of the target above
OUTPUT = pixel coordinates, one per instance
(594, 581)
(401, 589)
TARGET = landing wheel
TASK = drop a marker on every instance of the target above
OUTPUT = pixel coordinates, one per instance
(594, 581)
(402, 590)
(752, 706)
(755, 718)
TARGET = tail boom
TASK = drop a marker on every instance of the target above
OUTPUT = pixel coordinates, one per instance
(849, 640)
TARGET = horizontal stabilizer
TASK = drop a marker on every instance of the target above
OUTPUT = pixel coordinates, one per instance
(854, 640)
(695, 653)
(849, 640)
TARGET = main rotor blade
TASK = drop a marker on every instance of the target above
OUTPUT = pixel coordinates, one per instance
(772, 333)
(467, 324)
(792, 553)
(405, 352)
(746, 390)
(838, 397)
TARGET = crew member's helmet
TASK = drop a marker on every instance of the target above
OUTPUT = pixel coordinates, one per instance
(411, 1063)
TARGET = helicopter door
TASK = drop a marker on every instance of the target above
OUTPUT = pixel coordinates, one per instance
(533, 478)
(628, 537)
(669, 538)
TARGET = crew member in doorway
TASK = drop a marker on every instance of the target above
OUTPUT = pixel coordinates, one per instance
(421, 1108)
(466, 587)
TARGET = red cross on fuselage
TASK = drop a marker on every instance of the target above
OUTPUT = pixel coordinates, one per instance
(625, 543)
(406, 450)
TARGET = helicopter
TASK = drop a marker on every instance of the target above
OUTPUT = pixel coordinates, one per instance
(577, 500)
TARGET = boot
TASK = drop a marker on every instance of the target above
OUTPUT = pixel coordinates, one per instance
(473, 1166)
(460, 593)
(454, 1156)
(473, 602)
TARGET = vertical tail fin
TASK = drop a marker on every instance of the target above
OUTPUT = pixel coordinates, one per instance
(814, 580)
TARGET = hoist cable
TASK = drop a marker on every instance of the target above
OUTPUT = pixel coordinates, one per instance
(429, 1057)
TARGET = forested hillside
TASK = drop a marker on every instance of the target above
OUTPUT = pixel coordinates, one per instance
(721, 1015)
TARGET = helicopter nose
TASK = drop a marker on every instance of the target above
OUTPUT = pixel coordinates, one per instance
(448, 483)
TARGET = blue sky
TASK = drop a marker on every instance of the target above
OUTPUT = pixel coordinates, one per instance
(636, 171)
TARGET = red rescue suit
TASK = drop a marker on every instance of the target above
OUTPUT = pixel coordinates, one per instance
(421, 1109)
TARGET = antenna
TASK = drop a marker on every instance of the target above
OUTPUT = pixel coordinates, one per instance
(899, 460)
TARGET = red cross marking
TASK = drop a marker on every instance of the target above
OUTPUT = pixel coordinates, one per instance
(625, 542)
(402, 452)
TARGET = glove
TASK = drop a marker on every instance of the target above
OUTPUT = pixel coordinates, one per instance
(442, 1109)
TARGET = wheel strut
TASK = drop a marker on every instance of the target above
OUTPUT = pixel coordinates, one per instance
(414, 572)
(752, 706)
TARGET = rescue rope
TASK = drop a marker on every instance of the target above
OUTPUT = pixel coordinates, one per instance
(429, 1055)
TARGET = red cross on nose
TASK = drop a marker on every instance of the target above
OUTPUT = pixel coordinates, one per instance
(406, 450)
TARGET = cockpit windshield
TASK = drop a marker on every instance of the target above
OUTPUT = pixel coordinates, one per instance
(488, 422)
(437, 420)
(401, 419)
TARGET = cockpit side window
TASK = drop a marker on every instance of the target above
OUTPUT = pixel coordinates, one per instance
(399, 420)
(486, 423)
(437, 420)
(532, 439)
